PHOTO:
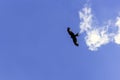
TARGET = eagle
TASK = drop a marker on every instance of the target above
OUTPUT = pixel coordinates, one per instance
(73, 36)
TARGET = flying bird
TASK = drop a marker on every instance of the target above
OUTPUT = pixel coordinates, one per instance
(73, 36)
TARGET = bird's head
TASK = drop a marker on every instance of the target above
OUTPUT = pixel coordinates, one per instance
(68, 28)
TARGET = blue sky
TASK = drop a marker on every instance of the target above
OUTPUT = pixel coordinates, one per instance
(34, 44)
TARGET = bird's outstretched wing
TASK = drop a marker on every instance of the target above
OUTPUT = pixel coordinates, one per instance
(73, 36)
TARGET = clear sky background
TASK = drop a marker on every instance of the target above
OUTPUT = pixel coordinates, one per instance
(34, 44)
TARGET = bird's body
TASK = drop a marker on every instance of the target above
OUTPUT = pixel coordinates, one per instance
(73, 36)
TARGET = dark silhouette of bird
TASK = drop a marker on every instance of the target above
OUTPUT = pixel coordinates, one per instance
(73, 36)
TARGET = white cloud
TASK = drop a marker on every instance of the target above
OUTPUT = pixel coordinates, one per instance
(118, 22)
(117, 38)
(98, 36)
(86, 19)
